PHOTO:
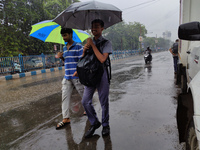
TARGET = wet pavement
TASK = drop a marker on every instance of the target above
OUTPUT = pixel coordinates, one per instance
(143, 102)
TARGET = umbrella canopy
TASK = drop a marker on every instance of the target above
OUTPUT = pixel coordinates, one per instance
(49, 31)
(80, 15)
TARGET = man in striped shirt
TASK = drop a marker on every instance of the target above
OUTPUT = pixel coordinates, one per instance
(72, 52)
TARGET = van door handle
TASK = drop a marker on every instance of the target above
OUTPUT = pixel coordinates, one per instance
(188, 52)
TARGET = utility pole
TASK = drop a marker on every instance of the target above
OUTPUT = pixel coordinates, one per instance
(156, 41)
(121, 43)
(140, 39)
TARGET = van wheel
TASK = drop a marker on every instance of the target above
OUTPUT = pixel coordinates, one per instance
(184, 81)
(178, 75)
(191, 139)
(183, 84)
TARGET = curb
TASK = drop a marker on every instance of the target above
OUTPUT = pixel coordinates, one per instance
(32, 73)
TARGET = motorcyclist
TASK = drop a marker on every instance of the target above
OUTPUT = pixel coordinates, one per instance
(148, 51)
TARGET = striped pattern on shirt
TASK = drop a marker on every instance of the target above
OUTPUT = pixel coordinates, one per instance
(72, 57)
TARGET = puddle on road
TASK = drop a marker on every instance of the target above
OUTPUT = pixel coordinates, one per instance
(18, 123)
(120, 78)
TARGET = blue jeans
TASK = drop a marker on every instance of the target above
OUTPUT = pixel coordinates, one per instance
(103, 92)
(175, 58)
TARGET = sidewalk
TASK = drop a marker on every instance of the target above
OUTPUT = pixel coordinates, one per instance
(30, 88)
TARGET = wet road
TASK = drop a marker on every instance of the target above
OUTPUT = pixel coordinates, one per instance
(143, 102)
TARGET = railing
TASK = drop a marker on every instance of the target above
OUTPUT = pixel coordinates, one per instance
(120, 54)
(19, 64)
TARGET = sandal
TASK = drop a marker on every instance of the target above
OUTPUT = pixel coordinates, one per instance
(61, 124)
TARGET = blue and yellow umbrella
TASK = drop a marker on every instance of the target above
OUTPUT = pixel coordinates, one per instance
(49, 31)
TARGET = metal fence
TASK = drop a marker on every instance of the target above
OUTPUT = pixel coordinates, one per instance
(19, 64)
(120, 54)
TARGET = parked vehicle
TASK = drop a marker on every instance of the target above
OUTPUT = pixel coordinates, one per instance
(188, 75)
(10, 67)
(50, 63)
(33, 63)
(16, 67)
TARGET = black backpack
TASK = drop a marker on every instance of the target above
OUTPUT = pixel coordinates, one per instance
(90, 69)
(175, 48)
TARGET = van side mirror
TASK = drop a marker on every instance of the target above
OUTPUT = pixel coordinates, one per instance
(189, 31)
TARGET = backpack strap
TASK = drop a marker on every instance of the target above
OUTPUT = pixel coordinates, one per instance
(101, 44)
(108, 70)
(107, 63)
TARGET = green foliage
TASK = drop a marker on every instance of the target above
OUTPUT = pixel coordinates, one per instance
(161, 43)
(149, 42)
(125, 36)
(16, 18)
(54, 7)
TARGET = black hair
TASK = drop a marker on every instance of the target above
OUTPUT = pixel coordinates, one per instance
(66, 30)
(98, 21)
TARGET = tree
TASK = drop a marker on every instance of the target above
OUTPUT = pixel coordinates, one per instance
(149, 42)
(125, 36)
(17, 16)
(162, 43)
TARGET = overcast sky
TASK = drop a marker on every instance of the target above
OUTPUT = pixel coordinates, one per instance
(158, 16)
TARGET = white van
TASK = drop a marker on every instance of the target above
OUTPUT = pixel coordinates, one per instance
(188, 111)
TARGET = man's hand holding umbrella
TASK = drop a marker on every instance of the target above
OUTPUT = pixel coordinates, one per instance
(60, 55)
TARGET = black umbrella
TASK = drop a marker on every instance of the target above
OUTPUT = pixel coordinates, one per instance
(80, 15)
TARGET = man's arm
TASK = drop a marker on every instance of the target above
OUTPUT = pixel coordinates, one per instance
(75, 74)
(60, 55)
(170, 50)
(86, 46)
(101, 57)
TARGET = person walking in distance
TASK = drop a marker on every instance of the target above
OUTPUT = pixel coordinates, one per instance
(72, 52)
(174, 51)
(102, 53)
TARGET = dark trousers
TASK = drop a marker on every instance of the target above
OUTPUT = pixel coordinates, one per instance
(175, 58)
(103, 92)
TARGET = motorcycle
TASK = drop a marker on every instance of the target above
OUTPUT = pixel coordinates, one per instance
(147, 57)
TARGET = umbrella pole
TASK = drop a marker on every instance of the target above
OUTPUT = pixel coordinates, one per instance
(60, 47)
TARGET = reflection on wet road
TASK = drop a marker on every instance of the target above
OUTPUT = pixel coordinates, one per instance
(142, 111)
